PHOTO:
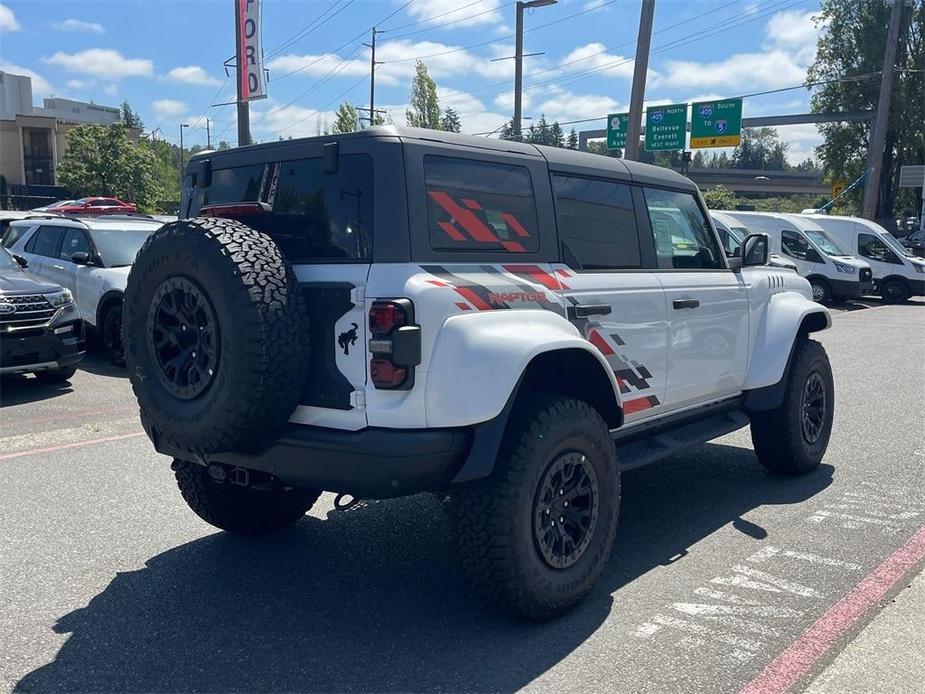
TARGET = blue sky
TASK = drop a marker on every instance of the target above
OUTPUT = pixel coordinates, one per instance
(166, 58)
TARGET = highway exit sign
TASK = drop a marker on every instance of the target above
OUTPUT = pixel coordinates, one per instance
(716, 123)
(666, 127)
(617, 123)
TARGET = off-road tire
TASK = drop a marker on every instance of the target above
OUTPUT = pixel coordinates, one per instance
(241, 510)
(894, 292)
(56, 375)
(822, 292)
(778, 435)
(262, 336)
(111, 335)
(493, 517)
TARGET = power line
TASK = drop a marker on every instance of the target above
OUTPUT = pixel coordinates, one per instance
(319, 110)
(316, 23)
(431, 18)
(446, 24)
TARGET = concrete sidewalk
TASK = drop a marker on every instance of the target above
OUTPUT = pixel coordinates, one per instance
(888, 656)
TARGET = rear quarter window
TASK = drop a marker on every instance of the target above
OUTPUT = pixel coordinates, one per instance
(479, 206)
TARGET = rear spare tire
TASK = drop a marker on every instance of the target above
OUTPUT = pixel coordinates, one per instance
(215, 332)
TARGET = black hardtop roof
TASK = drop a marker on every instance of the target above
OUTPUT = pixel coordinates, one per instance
(559, 159)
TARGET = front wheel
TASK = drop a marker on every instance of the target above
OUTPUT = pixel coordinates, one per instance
(56, 375)
(792, 438)
(535, 535)
(894, 292)
(244, 510)
(111, 333)
(822, 294)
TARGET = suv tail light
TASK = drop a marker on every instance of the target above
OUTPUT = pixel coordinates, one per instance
(395, 343)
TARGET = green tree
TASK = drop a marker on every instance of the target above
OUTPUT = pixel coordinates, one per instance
(450, 121)
(425, 107)
(853, 44)
(346, 119)
(719, 198)
(600, 147)
(761, 148)
(572, 140)
(223, 145)
(100, 160)
(130, 117)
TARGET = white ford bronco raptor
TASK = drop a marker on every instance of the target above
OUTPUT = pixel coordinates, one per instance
(396, 311)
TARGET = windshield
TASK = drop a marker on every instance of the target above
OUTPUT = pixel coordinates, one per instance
(6, 261)
(895, 245)
(739, 233)
(824, 242)
(117, 248)
(61, 203)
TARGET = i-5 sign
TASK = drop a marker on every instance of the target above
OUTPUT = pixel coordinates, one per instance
(666, 127)
(617, 123)
(716, 123)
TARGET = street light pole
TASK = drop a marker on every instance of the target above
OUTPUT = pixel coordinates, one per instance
(638, 93)
(519, 60)
(182, 125)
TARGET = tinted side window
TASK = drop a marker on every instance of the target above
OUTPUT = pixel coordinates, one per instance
(242, 184)
(597, 223)
(45, 241)
(75, 241)
(874, 248)
(476, 205)
(683, 237)
(794, 245)
(14, 233)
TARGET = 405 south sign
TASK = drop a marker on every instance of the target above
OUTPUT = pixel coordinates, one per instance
(716, 123)
(251, 76)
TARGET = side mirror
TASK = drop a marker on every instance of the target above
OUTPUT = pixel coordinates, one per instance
(205, 174)
(756, 250)
(81, 258)
(330, 154)
(22, 261)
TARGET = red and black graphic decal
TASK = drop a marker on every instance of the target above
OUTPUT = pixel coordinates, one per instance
(534, 273)
(477, 230)
(481, 297)
(527, 293)
(640, 404)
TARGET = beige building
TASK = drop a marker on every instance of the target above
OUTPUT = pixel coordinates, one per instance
(34, 138)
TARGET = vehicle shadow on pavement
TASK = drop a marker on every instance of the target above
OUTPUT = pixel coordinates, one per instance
(19, 389)
(99, 364)
(370, 599)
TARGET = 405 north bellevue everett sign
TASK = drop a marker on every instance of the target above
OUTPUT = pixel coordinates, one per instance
(666, 127)
(716, 123)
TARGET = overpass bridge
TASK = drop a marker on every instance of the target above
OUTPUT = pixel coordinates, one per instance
(761, 181)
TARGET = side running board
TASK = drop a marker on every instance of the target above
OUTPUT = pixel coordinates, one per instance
(633, 451)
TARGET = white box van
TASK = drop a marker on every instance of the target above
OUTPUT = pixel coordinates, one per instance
(831, 270)
(731, 232)
(898, 274)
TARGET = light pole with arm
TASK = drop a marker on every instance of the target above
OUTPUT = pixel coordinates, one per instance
(182, 125)
(519, 60)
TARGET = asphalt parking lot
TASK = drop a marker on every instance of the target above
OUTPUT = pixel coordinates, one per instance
(108, 582)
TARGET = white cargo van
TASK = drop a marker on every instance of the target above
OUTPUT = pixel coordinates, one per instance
(898, 274)
(731, 232)
(831, 270)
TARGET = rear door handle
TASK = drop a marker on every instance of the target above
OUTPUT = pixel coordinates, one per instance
(685, 303)
(585, 310)
(58, 267)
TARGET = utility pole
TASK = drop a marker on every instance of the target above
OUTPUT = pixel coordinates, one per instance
(519, 61)
(208, 135)
(372, 75)
(182, 125)
(638, 93)
(881, 121)
(244, 115)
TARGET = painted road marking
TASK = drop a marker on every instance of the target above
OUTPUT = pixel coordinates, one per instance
(871, 507)
(63, 446)
(803, 654)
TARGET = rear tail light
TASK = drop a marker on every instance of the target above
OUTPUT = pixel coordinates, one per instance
(395, 343)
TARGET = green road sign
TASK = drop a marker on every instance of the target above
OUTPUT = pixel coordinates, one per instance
(666, 127)
(617, 123)
(716, 123)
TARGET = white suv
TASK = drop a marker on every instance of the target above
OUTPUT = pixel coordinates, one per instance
(89, 256)
(396, 311)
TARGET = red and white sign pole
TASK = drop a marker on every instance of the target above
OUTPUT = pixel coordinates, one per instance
(251, 79)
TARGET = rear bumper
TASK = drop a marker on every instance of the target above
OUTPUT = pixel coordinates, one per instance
(40, 349)
(372, 463)
(850, 289)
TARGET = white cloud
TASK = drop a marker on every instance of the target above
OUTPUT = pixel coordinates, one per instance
(593, 4)
(78, 25)
(79, 84)
(102, 62)
(796, 32)
(451, 12)
(595, 56)
(191, 74)
(563, 105)
(111, 89)
(40, 86)
(298, 121)
(169, 108)
(8, 19)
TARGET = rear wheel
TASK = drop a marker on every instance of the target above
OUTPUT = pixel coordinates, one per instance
(535, 535)
(792, 438)
(111, 334)
(894, 291)
(822, 293)
(245, 510)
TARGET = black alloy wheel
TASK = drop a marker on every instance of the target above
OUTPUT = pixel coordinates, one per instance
(813, 407)
(565, 510)
(183, 335)
(111, 334)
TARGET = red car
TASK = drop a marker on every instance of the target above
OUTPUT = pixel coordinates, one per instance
(95, 206)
